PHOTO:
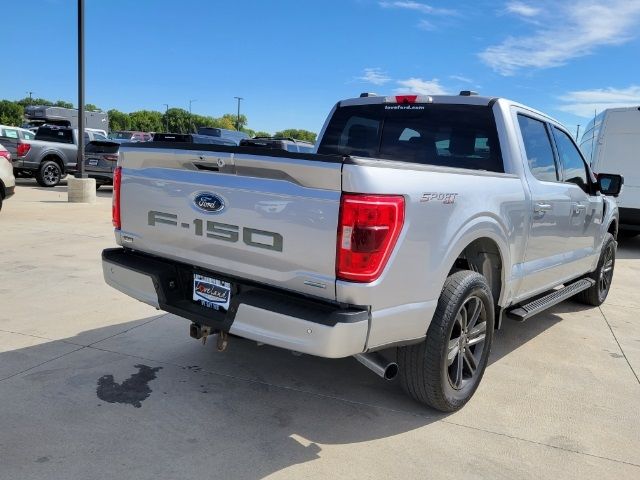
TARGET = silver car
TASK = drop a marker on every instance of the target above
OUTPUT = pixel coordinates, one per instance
(7, 180)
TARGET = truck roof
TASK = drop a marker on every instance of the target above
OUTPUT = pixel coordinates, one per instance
(464, 98)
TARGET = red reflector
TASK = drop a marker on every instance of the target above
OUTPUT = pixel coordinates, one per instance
(406, 98)
(115, 206)
(368, 229)
(22, 149)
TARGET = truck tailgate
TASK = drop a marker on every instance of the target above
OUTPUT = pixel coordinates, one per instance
(269, 218)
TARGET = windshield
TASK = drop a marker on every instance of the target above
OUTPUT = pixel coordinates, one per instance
(121, 135)
(462, 136)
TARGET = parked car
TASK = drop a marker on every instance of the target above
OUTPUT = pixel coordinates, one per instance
(10, 136)
(288, 144)
(100, 158)
(233, 135)
(420, 223)
(611, 143)
(51, 154)
(126, 136)
(7, 180)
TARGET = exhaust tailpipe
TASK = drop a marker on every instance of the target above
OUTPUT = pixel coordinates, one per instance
(378, 365)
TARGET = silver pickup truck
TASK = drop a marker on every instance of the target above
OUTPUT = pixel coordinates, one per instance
(416, 227)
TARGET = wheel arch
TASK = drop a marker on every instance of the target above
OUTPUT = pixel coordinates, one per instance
(54, 157)
(613, 228)
(483, 248)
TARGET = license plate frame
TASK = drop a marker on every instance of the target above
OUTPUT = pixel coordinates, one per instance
(211, 292)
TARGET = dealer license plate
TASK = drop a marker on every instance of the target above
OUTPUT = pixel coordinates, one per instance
(93, 162)
(211, 292)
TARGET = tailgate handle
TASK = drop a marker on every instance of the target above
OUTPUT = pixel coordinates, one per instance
(207, 166)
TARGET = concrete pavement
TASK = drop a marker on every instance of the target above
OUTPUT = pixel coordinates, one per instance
(560, 398)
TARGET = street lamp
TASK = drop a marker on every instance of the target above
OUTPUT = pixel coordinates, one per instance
(190, 117)
(80, 159)
(166, 116)
(238, 117)
(30, 97)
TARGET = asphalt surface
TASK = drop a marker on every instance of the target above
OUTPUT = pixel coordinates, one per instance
(96, 385)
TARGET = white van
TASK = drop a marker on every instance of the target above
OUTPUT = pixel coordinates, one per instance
(611, 143)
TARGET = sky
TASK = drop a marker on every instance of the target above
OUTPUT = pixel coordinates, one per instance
(292, 60)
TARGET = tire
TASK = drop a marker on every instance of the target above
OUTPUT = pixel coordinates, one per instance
(426, 372)
(49, 174)
(603, 275)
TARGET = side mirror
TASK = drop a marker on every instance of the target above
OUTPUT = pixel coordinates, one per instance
(610, 184)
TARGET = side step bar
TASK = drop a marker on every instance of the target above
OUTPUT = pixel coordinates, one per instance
(523, 312)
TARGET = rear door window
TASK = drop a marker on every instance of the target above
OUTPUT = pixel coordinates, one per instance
(28, 135)
(537, 145)
(461, 136)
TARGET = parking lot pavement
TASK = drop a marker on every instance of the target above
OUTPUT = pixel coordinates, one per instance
(96, 385)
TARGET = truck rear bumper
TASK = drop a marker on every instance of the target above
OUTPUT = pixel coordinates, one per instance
(271, 316)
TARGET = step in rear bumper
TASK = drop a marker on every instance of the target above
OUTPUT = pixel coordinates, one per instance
(259, 313)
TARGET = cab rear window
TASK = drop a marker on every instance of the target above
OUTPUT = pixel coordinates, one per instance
(461, 136)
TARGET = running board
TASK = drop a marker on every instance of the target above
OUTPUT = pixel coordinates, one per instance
(523, 312)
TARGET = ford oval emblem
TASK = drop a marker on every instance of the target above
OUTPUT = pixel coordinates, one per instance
(208, 202)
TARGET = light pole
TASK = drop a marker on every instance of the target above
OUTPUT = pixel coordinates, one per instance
(30, 97)
(190, 117)
(577, 132)
(80, 159)
(166, 116)
(238, 117)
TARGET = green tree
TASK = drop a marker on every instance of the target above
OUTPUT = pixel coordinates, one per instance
(118, 120)
(177, 119)
(305, 135)
(146, 121)
(63, 104)
(230, 120)
(11, 113)
(90, 107)
(261, 134)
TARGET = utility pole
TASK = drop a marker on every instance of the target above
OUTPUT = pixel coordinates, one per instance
(238, 117)
(80, 159)
(577, 132)
(30, 98)
(190, 117)
(166, 116)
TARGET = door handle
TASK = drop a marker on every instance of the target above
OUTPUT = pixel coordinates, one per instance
(577, 208)
(542, 207)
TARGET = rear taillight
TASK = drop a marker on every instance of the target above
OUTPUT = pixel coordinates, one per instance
(6, 156)
(368, 229)
(22, 149)
(115, 207)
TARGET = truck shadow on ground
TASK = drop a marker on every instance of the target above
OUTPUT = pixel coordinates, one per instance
(245, 413)
(628, 248)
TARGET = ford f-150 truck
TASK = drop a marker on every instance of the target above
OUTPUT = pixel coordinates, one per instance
(419, 223)
(51, 155)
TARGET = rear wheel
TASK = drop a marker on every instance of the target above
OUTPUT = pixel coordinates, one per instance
(49, 174)
(445, 370)
(603, 275)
